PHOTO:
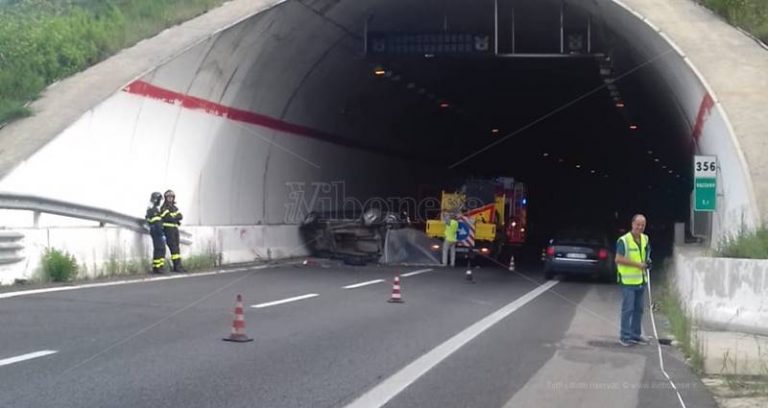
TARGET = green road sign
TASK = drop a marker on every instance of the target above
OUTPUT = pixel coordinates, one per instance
(704, 183)
(705, 194)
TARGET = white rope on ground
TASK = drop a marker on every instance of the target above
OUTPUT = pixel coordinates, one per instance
(658, 345)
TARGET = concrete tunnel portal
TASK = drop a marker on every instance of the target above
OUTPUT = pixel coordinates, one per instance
(583, 101)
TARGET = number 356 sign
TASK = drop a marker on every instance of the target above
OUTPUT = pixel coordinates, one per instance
(705, 183)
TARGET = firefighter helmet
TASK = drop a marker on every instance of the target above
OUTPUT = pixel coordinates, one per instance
(155, 198)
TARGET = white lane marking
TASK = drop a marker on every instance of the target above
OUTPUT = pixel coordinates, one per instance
(127, 282)
(389, 388)
(29, 356)
(279, 302)
(358, 285)
(405, 275)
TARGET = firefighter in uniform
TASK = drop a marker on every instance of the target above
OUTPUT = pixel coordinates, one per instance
(155, 222)
(171, 221)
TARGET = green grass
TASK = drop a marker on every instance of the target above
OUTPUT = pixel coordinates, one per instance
(750, 15)
(200, 262)
(58, 266)
(747, 244)
(681, 326)
(43, 41)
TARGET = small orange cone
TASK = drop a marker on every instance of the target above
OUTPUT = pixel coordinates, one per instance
(396, 296)
(238, 325)
(511, 263)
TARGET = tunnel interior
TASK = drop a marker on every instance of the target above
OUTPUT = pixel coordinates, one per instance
(590, 129)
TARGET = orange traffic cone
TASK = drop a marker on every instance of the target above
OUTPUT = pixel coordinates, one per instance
(511, 263)
(396, 297)
(238, 325)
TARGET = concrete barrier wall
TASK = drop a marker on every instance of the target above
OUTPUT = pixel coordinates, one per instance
(724, 293)
(95, 248)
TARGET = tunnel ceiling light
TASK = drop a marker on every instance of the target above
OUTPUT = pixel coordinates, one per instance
(545, 154)
(410, 85)
(633, 127)
(663, 166)
(559, 160)
(619, 105)
(422, 91)
(605, 176)
(380, 71)
(670, 172)
(592, 171)
(494, 130)
(650, 151)
(429, 55)
(656, 160)
(444, 105)
(578, 166)
(396, 78)
(678, 176)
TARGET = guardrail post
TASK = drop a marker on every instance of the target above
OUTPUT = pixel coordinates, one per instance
(36, 219)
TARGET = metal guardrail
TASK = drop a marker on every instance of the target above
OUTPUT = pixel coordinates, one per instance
(11, 201)
(10, 247)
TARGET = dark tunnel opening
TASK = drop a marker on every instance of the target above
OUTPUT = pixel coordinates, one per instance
(592, 132)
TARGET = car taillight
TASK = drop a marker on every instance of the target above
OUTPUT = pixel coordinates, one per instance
(551, 251)
(603, 253)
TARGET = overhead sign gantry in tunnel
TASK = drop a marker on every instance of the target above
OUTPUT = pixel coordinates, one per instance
(589, 104)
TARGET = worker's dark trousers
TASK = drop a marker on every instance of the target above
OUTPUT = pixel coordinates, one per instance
(172, 239)
(158, 253)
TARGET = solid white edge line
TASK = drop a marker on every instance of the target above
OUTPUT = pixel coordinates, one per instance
(420, 271)
(359, 285)
(127, 282)
(392, 386)
(279, 302)
(28, 356)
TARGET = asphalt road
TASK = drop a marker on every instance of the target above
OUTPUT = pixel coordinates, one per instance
(493, 343)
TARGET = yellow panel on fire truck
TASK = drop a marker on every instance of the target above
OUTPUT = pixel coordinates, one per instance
(485, 231)
(501, 201)
(435, 229)
(452, 202)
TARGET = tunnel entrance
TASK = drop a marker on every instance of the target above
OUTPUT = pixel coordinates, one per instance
(541, 91)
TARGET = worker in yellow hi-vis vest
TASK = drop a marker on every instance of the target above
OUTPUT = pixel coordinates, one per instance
(449, 244)
(633, 257)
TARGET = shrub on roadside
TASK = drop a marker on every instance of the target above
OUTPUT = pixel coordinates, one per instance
(747, 244)
(59, 266)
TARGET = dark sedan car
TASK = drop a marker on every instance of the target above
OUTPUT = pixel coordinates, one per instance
(580, 252)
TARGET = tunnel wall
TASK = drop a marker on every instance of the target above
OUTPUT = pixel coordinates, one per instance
(250, 128)
(701, 115)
